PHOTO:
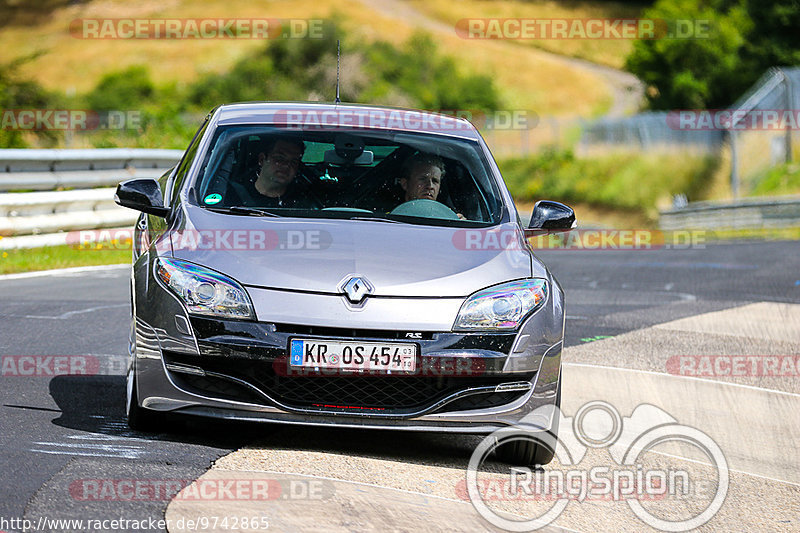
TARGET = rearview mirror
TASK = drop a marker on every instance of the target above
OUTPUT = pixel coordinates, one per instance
(141, 194)
(550, 217)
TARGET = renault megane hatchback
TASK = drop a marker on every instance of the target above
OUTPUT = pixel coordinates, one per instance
(342, 265)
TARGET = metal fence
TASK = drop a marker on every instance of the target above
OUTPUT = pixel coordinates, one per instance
(753, 149)
(38, 214)
(648, 131)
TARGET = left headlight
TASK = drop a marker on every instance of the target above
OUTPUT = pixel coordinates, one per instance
(204, 291)
(502, 307)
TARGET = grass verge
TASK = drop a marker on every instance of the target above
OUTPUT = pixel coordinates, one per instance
(50, 257)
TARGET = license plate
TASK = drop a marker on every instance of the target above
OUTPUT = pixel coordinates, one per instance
(354, 356)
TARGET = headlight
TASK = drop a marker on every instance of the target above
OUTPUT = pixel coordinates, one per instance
(502, 307)
(204, 291)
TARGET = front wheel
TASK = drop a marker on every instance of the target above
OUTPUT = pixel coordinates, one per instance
(526, 450)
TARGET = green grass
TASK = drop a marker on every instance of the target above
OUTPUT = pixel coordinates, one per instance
(49, 257)
(779, 180)
(755, 234)
(637, 182)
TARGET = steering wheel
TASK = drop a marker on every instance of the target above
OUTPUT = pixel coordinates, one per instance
(425, 208)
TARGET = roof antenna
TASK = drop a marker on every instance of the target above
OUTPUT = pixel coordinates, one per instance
(337, 72)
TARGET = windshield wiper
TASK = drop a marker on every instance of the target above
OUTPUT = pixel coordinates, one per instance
(242, 210)
(378, 219)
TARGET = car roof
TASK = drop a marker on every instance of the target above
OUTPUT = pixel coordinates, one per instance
(346, 116)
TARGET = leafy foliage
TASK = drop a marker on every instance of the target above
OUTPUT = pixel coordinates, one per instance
(782, 179)
(413, 75)
(746, 37)
(16, 94)
(695, 72)
(126, 89)
(621, 180)
(379, 73)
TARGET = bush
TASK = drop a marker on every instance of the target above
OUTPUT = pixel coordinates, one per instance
(16, 94)
(623, 180)
(415, 75)
(124, 90)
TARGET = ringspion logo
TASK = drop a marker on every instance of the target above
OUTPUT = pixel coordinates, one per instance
(599, 425)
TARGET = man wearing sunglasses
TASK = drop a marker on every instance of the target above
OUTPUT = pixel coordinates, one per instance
(275, 184)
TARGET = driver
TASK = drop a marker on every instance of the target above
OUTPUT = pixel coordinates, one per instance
(276, 184)
(422, 177)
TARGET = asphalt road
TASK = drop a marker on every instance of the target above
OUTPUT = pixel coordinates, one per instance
(59, 432)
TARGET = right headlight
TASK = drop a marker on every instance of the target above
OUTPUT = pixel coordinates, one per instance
(204, 291)
(502, 307)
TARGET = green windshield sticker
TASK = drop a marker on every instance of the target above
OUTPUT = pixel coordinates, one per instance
(213, 199)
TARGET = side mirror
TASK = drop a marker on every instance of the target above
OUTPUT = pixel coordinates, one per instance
(549, 217)
(141, 194)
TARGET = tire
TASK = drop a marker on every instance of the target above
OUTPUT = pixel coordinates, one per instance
(527, 450)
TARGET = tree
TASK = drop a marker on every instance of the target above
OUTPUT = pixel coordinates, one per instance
(701, 71)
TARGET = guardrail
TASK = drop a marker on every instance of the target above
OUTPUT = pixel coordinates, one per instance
(29, 219)
(23, 169)
(760, 213)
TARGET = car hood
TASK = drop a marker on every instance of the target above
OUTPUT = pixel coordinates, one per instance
(320, 256)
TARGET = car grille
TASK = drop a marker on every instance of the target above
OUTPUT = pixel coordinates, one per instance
(389, 394)
(368, 392)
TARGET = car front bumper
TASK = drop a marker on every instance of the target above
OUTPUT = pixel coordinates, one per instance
(231, 369)
(169, 380)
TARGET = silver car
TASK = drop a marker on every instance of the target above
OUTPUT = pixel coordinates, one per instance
(346, 265)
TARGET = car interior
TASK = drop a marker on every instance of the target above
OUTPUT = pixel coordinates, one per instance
(346, 172)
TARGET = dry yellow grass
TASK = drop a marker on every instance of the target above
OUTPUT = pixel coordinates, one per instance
(527, 78)
(611, 52)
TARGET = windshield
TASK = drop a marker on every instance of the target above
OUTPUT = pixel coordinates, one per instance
(358, 174)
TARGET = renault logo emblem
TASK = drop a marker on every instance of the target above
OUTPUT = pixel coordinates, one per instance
(356, 289)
